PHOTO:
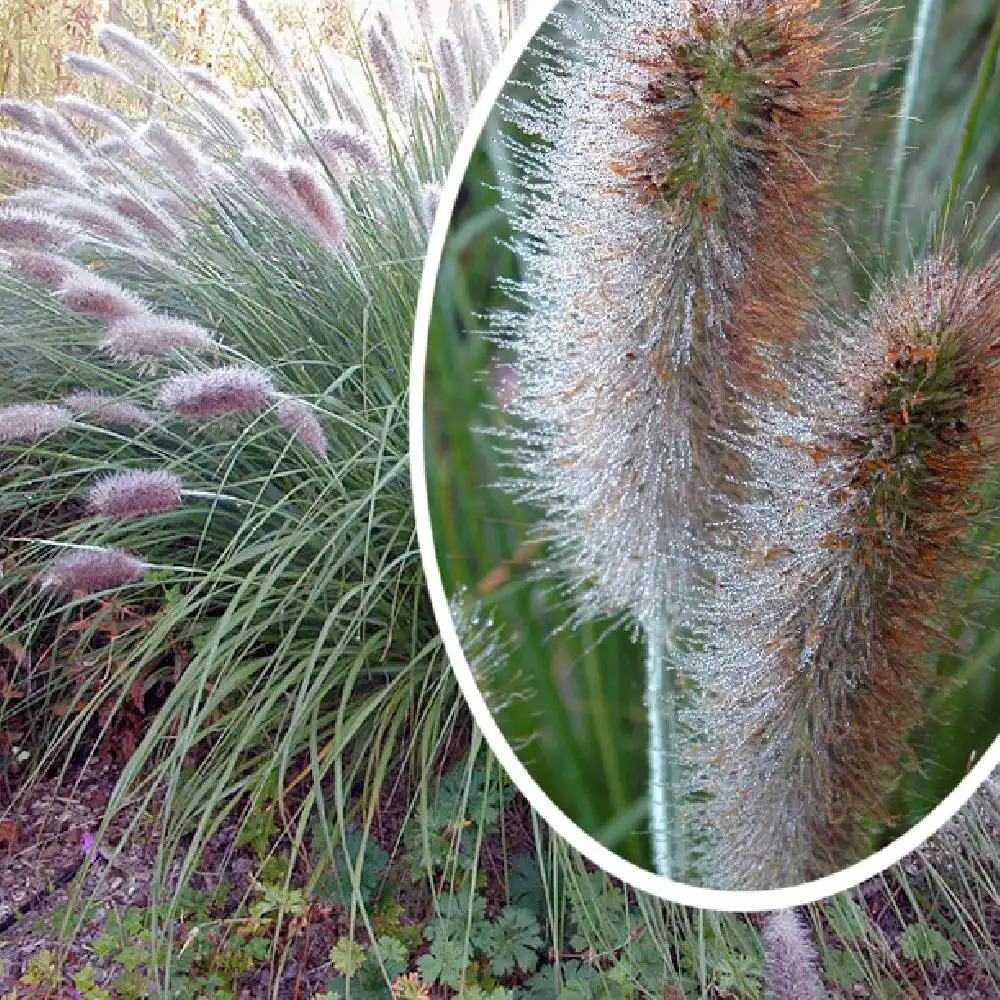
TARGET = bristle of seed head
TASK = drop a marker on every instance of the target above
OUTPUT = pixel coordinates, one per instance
(232, 389)
(145, 335)
(298, 418)
(27, 422)
(89, 293)
(135, 494)
(86, 65)
(91, 571)
(104, 409)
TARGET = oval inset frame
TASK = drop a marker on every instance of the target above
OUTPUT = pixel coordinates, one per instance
(640, 878)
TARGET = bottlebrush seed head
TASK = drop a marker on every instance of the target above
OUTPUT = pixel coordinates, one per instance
(38, 164)
(60, 130)
(89, 293)
(25, 113)
(835, 582)
(85, 65)
(322, 208)
(46, 268)
(144, 214)
(97, 114)
(339, 141)
(141, 54)
(94, 218)
(42, 230)
(390, 66)
(790, 957)
(683, 156)
(104, 409)
(143, 335)
(135, 494)
(266, 36)
(299, 419)
(455, 84)
(90, 571)
(222, 390)
(28, 422)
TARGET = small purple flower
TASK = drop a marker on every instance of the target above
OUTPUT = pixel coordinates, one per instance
(88, 843)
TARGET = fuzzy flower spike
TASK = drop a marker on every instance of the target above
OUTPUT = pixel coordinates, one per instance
(870, 475)
(683, 168)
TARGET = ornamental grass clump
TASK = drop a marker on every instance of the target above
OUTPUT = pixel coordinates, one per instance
(286, 624)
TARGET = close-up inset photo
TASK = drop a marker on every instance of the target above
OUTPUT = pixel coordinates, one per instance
(707, 395)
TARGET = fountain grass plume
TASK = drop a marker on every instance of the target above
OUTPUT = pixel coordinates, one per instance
(96, 114)
(28, 422)
(39, 164)
(297, 416)
(25, 113)
(102, 409)
(88, 65)
(136, 493)
(340, 142)
(232, 389)
(142, 55)
(39, 230)
(86, 292)
(835, 583)
(686, 152)
(100, 221)
(142, 335)
(45, 268)
(454, 70)
(144, 213)
(790, 957)
(92, 571)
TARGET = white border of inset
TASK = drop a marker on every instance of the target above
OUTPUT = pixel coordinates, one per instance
(561, 824)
